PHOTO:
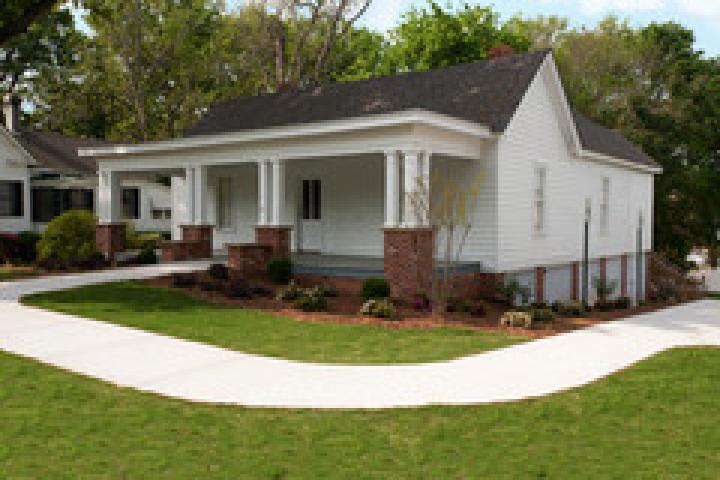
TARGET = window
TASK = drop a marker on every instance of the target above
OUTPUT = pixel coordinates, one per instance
(11, 199)
(311, 195)
(224, 203)
(539, 198)
(605, 206)
(161, 214)
(48, 203)
(131, 203)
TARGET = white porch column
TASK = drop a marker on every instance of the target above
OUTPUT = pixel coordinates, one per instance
(425, 179)
(411, 163)
(201, 195)
(109, 197)
(392, 189)
(190, 195)
(263, 201)
(278, 192)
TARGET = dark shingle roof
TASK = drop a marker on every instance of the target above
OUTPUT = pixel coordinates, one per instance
(58, 152)
(601, 139)
(486, 92)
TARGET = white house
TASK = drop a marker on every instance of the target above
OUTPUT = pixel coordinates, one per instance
(41, 176)
(329, 171)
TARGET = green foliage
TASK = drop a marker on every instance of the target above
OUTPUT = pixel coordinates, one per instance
(218, 271)
(280, 270)
(17, 15)
(311, 300)
(604, 288)
(513, 290)
(19, 249)
(378, 308)
(375, 288)
(569, 308)
(69, 240)
(290, 293)
(147, 255)
(623, 303)
(542, 315)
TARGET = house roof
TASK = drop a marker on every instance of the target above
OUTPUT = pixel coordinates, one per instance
(597, 138)
(486, 92)
(59, 152)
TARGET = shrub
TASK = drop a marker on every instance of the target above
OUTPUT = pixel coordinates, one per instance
(237, 288)
(539, 305)
(183, 280)
(210, 284)
(604, 288)
(328, 291)
(456, 304)
(516, 319)
(311, 300)
(378, 308)
(20, 248)
(218, 271)
(261, 291)
(512, 290)
(568, 309)
(602, 305)
(542, 315)
(147, 254)
(280, 270)
(375, 288)
(69, 240)
(290, 293)
(477, 309)
(421, 302)
(623, 303)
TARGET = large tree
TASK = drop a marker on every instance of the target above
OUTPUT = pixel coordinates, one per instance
(17, 15)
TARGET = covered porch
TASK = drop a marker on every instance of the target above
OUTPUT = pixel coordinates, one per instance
(336, 204)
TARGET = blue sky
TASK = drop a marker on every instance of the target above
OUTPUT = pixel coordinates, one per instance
(703, 16)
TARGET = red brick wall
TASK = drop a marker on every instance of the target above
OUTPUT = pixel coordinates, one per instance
(249, 259)
(409, 256)
(277, 238)
(346, 285)
(181, 250)
(203, 234)
(110, 238)
(624, 275)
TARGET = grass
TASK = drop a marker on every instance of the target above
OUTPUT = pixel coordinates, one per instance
(656, 420)
(714, 295)
(15, 273)
(177, 314)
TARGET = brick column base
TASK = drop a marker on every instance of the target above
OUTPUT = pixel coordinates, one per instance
(575, 287)
(409, 262)
(110, 239)
(250, 259)
(624, 275)
(275, 237)
(200, 233)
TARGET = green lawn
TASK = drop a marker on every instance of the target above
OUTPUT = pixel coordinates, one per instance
(656, 420)
(177, 314)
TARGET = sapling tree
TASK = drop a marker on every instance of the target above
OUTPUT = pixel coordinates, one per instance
(449, 207)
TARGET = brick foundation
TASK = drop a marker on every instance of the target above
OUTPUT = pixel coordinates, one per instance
(275, 237)
(624, 275)
(249, 259)
(409, 261)
(202, 234)
(110, 239)
(346, 285)
(181, 250)
(540, 284)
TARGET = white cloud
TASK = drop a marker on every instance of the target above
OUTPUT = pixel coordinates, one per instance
(383, 14)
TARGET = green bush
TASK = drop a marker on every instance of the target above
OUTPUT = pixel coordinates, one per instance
(311, 300)
(219, 271)
(623, 303)
(147, 255)
(290, 293)
(375, 289)
(280, 270)
(183, 280)
(542, 315)
(378, 308)
(568, 309)
(69, 240)
(512, 290)
(20, 248)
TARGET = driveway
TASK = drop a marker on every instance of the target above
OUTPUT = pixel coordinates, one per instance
(201, 373)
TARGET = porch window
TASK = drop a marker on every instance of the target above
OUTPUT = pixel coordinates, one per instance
(11, 199)
(131, 203)
(311, 194)
(224, 203)
(48, 202)
(605, 206)
(539, 200)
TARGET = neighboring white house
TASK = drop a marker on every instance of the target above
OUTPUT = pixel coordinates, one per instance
(41, 176)
(337, 163)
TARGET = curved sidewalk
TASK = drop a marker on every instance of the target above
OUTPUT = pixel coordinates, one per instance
(201, 373)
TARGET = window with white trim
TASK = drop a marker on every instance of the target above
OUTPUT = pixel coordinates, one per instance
(11, 199)
(605, 205)
(539, 201)
(224, 203)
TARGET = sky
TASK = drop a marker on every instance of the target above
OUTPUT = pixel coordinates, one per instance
(703, 16)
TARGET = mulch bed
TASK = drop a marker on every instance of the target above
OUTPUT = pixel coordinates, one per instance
(344, 310)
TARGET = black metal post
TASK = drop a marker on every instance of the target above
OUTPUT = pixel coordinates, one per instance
(586, 264)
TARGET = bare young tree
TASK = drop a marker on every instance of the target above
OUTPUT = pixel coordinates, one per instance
(303, 34)
(449, 207)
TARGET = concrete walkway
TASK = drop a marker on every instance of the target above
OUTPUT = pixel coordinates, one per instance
(201, 373)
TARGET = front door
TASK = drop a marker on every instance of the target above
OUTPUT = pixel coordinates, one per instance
(311, 231)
